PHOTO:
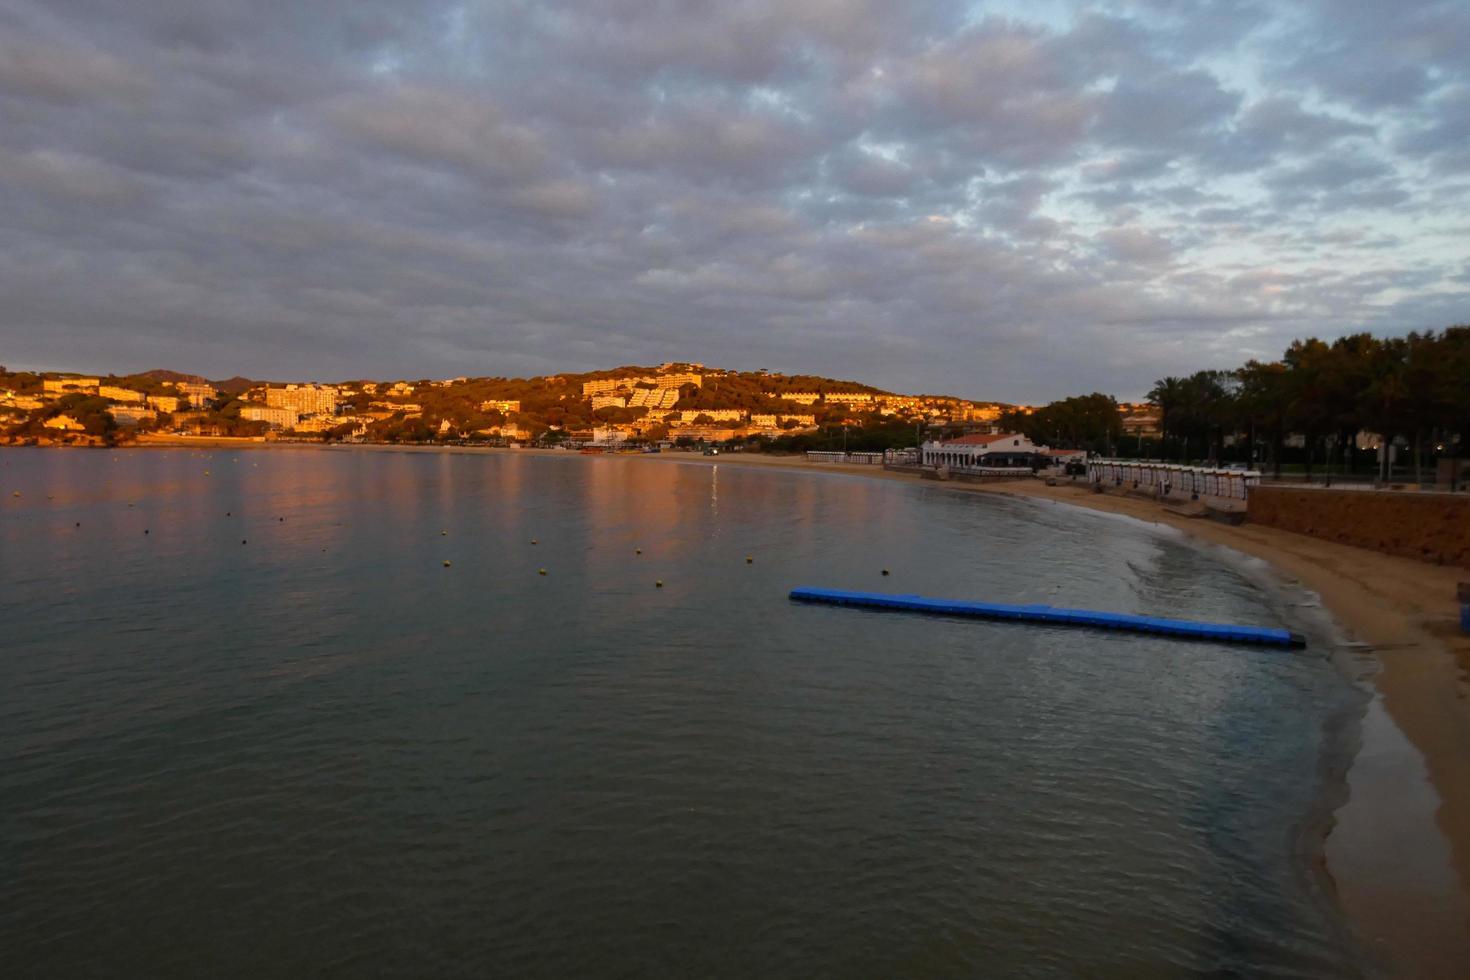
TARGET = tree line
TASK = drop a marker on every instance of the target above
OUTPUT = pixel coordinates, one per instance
(1310, 406)
(1413, 389)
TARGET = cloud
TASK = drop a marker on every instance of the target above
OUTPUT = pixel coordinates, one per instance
(1067, 198)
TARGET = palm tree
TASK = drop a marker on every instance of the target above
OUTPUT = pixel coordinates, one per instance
(1168, 394)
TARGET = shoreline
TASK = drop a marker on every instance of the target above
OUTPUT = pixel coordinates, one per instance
(1396, 846)
(1394, 833)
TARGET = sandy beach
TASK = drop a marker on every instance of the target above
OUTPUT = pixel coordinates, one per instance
(1398, 851)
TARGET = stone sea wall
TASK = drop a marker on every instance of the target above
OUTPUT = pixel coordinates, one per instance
(1432, 527)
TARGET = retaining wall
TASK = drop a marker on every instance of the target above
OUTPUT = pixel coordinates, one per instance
(1432, 527)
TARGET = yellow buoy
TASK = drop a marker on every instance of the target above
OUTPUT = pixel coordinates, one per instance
(749, 560)
(446, 564)
(637, 551)
(541, 571)
(658, 584)
(443, 534)
(534, 541)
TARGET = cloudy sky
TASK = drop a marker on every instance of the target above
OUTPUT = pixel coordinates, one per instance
(1003, 200)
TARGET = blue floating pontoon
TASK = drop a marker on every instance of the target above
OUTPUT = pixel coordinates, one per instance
(1052, 615)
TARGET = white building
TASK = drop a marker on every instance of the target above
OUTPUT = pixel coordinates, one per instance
(199, 395)
(117, 394)
(131, 414)
(278, 416)
(305, 399)
(1003, 449)
(66, 386)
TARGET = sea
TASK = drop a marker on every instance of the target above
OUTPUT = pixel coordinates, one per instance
(342, 713)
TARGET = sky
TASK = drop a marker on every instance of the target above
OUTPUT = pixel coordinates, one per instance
(1010, 201)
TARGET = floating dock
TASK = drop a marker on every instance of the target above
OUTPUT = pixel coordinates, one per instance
(1054, 616)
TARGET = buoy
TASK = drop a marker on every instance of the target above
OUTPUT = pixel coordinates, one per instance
(79, 523)
(281, 519)
(658, 584)
(1052, 615)
(16, 494)
(443, 534)
(749, 560)
(145, 530)
(227, 513)
(541, 571)
(446, 564)
(885, 571)
(242, 540)
(534, 541)
(637, 551)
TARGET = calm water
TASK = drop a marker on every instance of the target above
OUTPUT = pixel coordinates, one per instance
(324, 753)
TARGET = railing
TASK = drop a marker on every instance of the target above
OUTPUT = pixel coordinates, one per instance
(818, 456)
(1170, 480)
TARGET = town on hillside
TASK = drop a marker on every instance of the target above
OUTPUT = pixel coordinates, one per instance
(1359, 407)
(674, 404)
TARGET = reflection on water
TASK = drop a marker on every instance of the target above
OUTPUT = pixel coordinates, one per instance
(322, 751)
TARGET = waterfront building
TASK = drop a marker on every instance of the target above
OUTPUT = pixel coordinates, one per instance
(997, 449)
(277, 416)
(120, 394)
(64, 423)
(611, 435)
(710, 433)
(165, 403)
(131, 415)
(510, 431)
(305, 399)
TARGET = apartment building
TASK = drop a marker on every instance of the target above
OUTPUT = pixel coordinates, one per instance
(199, 395)
(277, 416)
(131, 414)
(120, 394)
(304, 399)
(68, 386)
(688, 415)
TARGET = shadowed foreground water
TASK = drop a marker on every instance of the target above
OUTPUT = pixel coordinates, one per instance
(322, 752)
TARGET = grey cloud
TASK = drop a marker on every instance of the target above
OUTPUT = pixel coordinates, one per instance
(1013, 208)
